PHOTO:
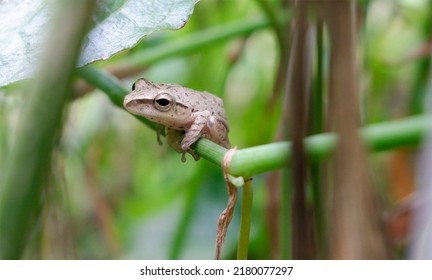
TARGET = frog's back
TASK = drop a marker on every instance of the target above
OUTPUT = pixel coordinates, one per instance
(200, 100)
(213, 103)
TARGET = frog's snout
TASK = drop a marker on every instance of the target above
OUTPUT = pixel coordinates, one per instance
(127, 100)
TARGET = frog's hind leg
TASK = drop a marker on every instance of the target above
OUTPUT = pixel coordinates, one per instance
(195, 131)
(217, 131)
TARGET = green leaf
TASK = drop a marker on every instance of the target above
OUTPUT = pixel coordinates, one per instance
(117, 25)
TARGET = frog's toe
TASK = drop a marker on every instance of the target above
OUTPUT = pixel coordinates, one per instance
(183, 157)
(193, 154)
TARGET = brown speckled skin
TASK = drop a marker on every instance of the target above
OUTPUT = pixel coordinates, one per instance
(191, 114)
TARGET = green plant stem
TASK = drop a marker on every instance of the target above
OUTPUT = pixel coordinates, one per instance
(250, 161)
(30, 158)
(104, 81)
(194, 42)
(111, 86)
(317, 124)
(378, 137)
(245, 222)
(420, 88)
(285, 217)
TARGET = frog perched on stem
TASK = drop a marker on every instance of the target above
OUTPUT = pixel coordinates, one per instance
(187, 114)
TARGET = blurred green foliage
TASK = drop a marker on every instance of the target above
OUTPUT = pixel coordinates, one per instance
(118, 194)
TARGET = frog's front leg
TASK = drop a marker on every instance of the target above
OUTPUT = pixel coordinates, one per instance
(195, 132)
(204, 125)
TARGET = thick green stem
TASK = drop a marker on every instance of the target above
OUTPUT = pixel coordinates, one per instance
(259, 159)
(245, 223)
(250, 161)
(111, 86)
(106, 82)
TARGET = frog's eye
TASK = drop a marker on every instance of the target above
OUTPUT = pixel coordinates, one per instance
(133, 86)
(163, 101)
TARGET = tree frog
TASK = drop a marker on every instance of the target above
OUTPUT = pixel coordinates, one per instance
(187, 114)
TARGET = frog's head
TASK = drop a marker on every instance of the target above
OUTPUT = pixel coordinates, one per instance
(152, 101)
